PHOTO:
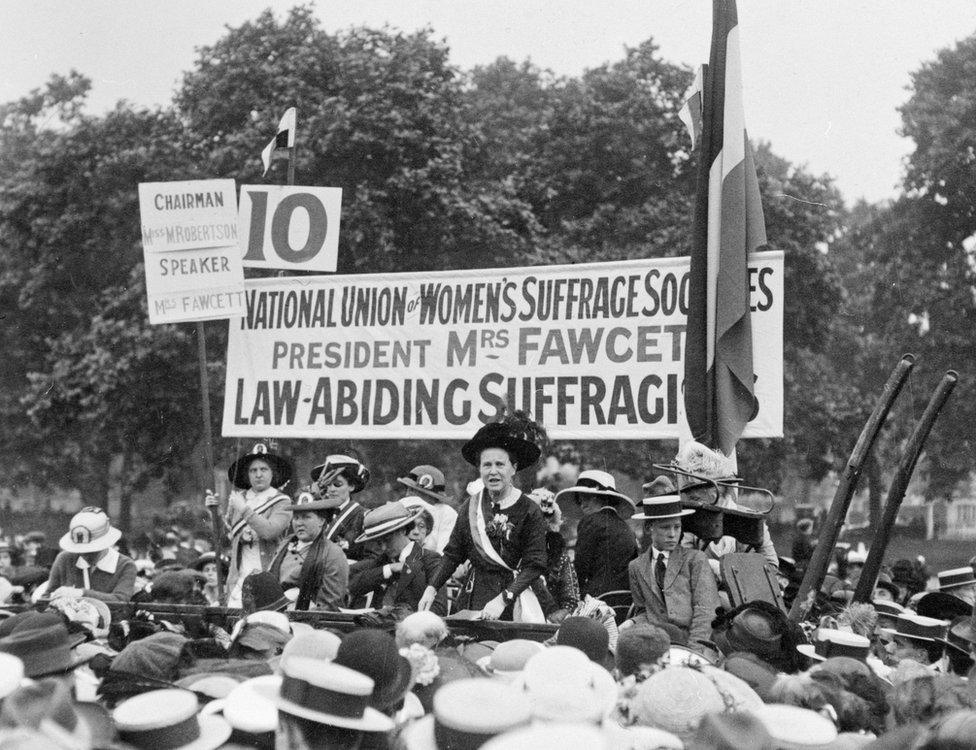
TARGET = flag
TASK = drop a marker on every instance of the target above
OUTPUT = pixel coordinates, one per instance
(285, 139)
(691, 111)
(728, 225)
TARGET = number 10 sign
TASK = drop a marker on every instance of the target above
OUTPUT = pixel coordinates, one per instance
(290, 227)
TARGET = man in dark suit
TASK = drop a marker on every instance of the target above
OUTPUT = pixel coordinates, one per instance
(398, 577)
(605, 543)
(670, 583)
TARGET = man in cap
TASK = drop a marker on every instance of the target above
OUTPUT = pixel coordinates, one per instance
(605, 543)
(399, 577)
(310, 567)
(670, 583)
(428, 481)
(89, 565)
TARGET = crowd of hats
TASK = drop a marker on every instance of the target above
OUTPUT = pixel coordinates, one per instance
(761, 684)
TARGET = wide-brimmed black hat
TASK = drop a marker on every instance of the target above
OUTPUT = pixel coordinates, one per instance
(281, 467)
(44, 646)
(209, 557)
(522, 451)
(428, 481)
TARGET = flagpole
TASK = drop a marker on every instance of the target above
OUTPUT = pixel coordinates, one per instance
(209, 457)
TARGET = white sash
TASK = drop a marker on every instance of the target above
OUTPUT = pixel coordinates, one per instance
(340, 519)
(527, 607)
(239, 525)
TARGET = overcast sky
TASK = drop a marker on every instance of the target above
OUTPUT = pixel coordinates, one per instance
(823, 78)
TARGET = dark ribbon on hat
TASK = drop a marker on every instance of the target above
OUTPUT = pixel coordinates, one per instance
(661, 509)
(164, 738)
(827, 648)
(434, 487)
(322, 699)
(592, 484)
(448, 738)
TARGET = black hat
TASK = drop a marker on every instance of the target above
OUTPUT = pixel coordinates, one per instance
(522, 451)
(208, 557)
(374, 653)
(281, 468)
(264, 593)
(942, 606)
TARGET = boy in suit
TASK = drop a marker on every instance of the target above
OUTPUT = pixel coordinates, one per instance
(670, 583)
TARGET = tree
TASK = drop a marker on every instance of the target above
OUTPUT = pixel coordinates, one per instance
(88, 383)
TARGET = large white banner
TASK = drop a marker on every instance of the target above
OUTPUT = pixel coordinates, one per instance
(591, 351)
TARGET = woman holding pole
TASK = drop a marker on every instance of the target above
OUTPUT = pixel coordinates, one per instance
(257, 515)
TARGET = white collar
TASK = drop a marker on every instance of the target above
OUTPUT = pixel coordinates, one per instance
(405, 552)
(108, 563)
(658, 552)
(514, 493)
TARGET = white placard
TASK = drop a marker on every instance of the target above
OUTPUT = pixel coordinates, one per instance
(187, 215)
(290, 227)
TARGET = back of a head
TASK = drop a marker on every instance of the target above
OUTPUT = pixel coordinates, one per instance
(638, 646)
(425, 628)
(586, 634)
(927, 697)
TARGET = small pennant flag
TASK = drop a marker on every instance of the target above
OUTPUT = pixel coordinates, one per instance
(691, 111)
(728, 225)
(285, 139)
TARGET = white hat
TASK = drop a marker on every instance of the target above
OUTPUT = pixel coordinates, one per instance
(168, 718)
(508, 659)
(594, 482)
(90, 530)
(11, 674)
(795, 728)
(564, 685)
(247, 711)
(326, 693)
(561, 736)
(829, 642)
(467, 713)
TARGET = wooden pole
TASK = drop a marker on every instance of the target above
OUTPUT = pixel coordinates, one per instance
(817, 567)
(218, 529)
(899, 485)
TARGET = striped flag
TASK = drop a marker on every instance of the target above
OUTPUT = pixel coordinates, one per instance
(284, 140)
(728, 225)
(691, 111)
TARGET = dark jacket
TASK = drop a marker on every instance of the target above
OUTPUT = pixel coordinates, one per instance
(523, 549)
(324, 576)
(605, 544)
(404, 589)
(343, 529)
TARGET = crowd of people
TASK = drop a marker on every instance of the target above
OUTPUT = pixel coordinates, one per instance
(632, 638)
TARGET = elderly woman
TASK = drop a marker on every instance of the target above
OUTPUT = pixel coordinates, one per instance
(257, 514)
(335, 481)
(311, 569)
(500, 531)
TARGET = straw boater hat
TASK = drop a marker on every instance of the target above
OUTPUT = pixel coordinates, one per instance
(829, 642)
(386, 519)
(595, 483)
(522, 451)
(168, 719)
(662, 502)
(336, 464)
(90, 530)
(428, 481)
(325, 693)
(917, 628)
(280, 467)
(466, 714)
(950, 579)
